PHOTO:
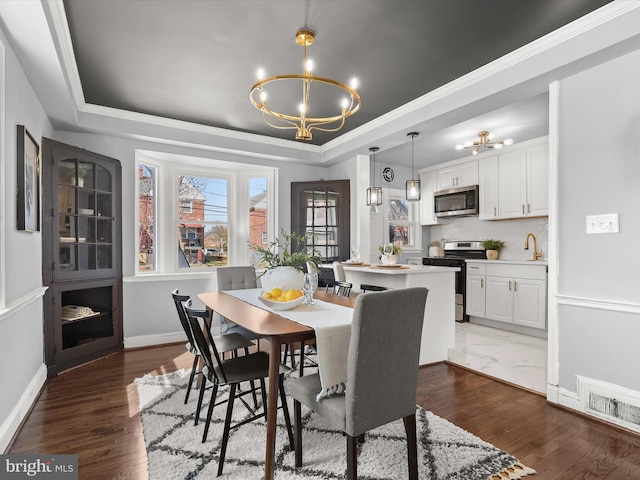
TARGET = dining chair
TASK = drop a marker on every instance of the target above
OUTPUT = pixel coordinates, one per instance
(338, 272)
(379, 388)
(228, 343)
(342, 289)
(231, 373)
(236, 278)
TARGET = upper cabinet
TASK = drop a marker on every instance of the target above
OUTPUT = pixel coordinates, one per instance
(429, 185)
(523, 182)
(515, 184)
(460, 175)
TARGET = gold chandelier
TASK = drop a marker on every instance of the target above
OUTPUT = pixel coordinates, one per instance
(303, 123)
(485, 139)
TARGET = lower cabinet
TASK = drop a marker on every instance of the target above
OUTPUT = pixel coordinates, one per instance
(509, 293)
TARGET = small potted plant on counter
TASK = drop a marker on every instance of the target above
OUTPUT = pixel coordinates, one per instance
(389, 253)
(493, 248)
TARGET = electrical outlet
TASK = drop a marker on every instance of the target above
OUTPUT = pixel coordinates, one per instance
(608, 223)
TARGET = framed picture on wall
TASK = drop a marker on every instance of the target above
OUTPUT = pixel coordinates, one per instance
(28, 173)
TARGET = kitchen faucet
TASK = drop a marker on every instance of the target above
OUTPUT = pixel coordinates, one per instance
(536, 253)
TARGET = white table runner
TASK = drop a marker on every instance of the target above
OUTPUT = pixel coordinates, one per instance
(332, 324)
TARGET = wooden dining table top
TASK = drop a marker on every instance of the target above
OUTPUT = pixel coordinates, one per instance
(260, 320)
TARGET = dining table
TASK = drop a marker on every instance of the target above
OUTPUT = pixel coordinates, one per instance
(277, 330)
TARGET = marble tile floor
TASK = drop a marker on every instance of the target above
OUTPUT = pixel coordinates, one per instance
(515, 358)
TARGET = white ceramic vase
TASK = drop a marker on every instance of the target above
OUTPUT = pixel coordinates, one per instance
(282, 277)
(389, 259)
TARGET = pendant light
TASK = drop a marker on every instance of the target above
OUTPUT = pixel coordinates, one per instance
(374, 194)
(413, 186)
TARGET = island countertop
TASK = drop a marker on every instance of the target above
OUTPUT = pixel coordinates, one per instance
(404, 270)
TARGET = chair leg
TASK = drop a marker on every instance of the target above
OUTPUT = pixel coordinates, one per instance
(212, 403)
(200, 398)
(253, 384)
(352, 458)
(412, 445)
(263, 392)
(285, 411)
(194, 367)
(297, 414)
(227, 428)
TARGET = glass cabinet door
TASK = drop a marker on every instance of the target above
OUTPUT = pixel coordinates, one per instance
(85, 221)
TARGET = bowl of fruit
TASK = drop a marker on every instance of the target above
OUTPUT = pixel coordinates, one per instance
(282, 298)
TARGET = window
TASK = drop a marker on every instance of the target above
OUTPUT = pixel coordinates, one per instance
(402, 221)
(195, 214)
(203, 221)
(146, 217)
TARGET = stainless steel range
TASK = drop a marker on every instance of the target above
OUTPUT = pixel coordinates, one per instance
(455, 255)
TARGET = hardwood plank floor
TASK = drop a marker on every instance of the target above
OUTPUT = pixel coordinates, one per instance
(92, 410)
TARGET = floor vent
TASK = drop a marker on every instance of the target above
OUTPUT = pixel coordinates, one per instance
(610, 402)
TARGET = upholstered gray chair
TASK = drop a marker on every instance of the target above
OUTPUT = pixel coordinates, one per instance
(379, 388)
(236, 278)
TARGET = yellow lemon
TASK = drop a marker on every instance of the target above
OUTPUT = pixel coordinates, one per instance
(276, 292)
(294, 294)
(268, 295)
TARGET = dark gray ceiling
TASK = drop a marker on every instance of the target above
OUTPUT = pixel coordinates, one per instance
(196, 60)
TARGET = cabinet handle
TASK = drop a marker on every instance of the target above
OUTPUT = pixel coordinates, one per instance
(494, 212)
(509, 285)
(482, 283)
(523, 208)
(515, 286)
(528, 208)
(475, 268)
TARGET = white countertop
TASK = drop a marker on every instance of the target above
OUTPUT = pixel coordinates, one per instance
(510, 262)
(411, 269)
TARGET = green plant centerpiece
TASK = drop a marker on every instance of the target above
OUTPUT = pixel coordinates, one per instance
(493, 248)
(284, 260)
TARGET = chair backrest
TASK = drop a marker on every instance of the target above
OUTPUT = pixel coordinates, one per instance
(338, 272)
(182, 315)
(312, 268)
(205, 345)
(342, 289)
(383, 358)
(236, 278)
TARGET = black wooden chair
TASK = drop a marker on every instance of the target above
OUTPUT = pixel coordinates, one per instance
(232, 372)
(364, 287)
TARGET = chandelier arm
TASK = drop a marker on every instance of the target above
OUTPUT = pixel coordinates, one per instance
(265, 116)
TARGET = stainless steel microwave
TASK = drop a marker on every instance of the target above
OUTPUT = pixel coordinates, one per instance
(456, 202)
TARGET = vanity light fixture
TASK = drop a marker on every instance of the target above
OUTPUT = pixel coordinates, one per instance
(413, 186)
(485, 139)
(374, 194)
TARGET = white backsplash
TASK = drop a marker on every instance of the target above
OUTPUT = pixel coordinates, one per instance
(512, 232)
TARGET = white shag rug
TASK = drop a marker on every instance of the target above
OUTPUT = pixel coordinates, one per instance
(175, 451)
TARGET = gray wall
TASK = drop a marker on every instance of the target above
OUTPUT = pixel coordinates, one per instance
(599, 172)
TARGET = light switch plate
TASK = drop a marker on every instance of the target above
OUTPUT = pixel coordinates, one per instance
(608, 223)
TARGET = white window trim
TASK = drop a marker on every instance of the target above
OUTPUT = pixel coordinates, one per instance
(168, 169)
(414, 212)
(3, 209)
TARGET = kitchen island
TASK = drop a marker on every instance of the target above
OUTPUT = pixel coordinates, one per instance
(438, 331)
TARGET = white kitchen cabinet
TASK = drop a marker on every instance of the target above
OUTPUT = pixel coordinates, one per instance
(516, 294)
(428, 184)
(523, 183)
(460, 175)
(475, 292)
(488, 191)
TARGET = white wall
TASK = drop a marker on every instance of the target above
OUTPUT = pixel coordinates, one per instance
(21, 342)
(599, 172)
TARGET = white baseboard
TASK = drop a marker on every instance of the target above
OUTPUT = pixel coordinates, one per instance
(10, 426)
(152, 340)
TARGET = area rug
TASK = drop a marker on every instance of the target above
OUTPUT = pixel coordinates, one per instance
(175, 451)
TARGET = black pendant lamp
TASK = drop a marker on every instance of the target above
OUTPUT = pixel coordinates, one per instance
(374, 194)
(413, 186)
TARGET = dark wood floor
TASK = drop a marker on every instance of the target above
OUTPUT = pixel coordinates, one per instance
(93, 411)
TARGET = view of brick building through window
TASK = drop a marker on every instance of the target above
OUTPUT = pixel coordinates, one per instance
(203, 227)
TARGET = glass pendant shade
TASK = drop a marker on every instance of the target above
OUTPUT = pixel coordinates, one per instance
(413, 190)
(412, 193)
(374, 196)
